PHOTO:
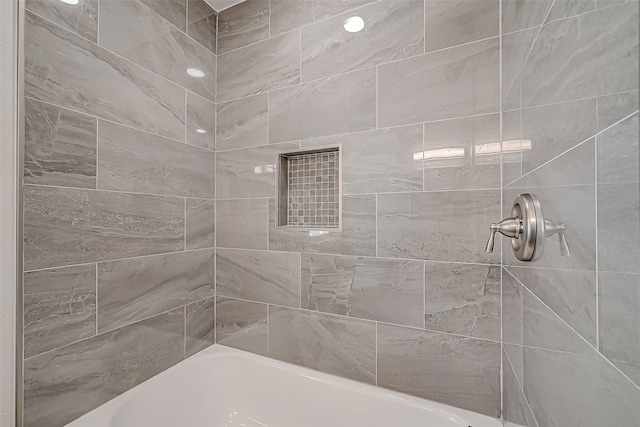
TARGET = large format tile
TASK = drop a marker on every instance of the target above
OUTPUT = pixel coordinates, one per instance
(515, 408)
(245, 23)
(248, 172)
(588, 55)
(135, 161)
(243, 122)
(242, 223)
(199, 326)
(133, 289)
(462, 299)
(515, 47)
(566, 389)
(521, 14)
(53, 58)
(59, 307)
(567, 8)
(201, 122)
(358, 235)
(456, 82)
(174, 11)
(619, 227)
(200, 223)
(134, 31)
(65, 226)
(393, 30)
(59, 146)
(455, 370)
(66, 383)
(618, 152)
(260, 67)
(368, 288)
(335, 345)
(241, 324)
(449, 23)
(554, 129)
(462, 154)
(619, 320)
(378, 161)
(511, 135)
(81, 17)
(202, 24)
(442, 226)
(339, 104)
(269, 277)
(287, 15)
(613, 108)
(571, 294)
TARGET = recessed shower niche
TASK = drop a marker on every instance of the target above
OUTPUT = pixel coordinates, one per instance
(309, 190)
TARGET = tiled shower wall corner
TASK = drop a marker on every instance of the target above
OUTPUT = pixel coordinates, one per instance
(571, 354)
(118, 197)
(404, 296)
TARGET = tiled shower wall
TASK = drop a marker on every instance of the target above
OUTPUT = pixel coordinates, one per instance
(404, 296)
(118, 197)
(571, 325)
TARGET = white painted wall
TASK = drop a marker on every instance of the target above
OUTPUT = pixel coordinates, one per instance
(8, 231)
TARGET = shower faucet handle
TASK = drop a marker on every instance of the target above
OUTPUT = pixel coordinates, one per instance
(510, 227)
(551, 228)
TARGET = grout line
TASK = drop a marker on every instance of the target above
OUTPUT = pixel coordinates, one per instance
(185, 225)
(100, 190)
(268, 310)
(376, 343)
(376, 225)
(184, 332)
(97, 305)
(501, 136)
(595, 205)
(513, 371)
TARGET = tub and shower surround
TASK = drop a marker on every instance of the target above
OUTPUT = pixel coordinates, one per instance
(119, 197)
(571, 351)
(404, 296)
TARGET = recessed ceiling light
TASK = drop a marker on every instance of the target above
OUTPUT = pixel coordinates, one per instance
(69, 1)
(194, 72)
(201, 131)
(353, 24)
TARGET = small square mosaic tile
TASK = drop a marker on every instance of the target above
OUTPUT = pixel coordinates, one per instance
(313, 190)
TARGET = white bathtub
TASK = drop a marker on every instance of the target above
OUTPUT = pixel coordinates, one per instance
(221, 386)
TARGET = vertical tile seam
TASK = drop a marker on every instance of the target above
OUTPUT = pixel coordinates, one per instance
(184, 240)
(184, 332)
(376, 354)
(96, 318)
(501, 135)
(595, 205)
(97, 151)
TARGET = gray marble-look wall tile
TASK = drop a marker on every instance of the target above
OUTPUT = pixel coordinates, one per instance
(133, 289)
(458, 371)
(202, 24)
(393, 30)
(59, 307)
(462, 299)
(200, 223)
(511, 146)
(142, 99)
(368, 288)
(248, 172)
(339, 104)
(588, 55)
(243, 122)
(358, 235)
(576, 380)
(331, 344)
(80, 18)
(269, 277)
(515, 47)
(612, 108)
(260, 67)
(245, 23)
(135, 161)
(65, 226)
(378, 161)
(201, 122)
(571, 294)
(553, 129)
(450, 23)
(241, 324)
(200, 332)
(137, 33)
(59, 146)
(63, 384)
(427, 225)
(521, 14)
(174, 11)
(567, 8)
(242, 223)
(619, 319)
(287, 15)
(457, 82)
(618, 153)
(515, 411)
(462, 154)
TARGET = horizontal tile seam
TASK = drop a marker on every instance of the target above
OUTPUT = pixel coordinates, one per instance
(118, 259)
(569, 101)
(104, 190)
(574, 331)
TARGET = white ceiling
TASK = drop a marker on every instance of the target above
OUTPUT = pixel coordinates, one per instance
(220, 5)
